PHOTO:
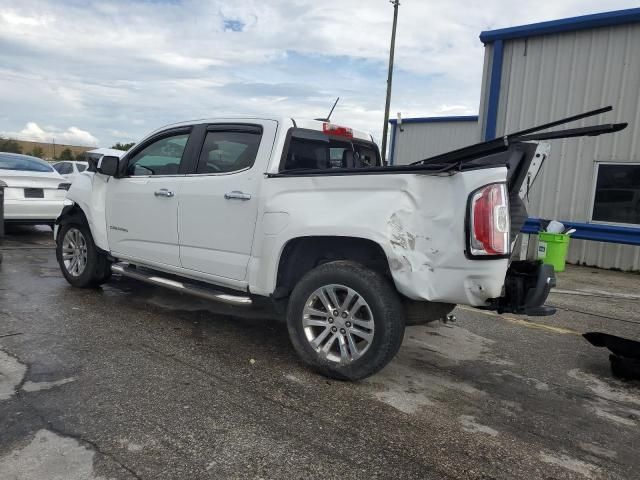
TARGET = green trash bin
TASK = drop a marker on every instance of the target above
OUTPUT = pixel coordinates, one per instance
(552, 249)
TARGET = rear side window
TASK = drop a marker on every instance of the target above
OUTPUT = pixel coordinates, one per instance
(23, 163)
(63, 168)
(228, 151)
(81, 167)
(310, 149)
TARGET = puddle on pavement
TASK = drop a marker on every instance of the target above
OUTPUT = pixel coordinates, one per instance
(50, 272)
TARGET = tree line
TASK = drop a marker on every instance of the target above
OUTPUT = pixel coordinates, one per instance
(11, 146)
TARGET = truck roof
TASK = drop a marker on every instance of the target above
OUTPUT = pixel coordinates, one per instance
(288, 122)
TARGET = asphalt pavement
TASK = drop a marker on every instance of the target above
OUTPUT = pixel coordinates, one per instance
(130, 381)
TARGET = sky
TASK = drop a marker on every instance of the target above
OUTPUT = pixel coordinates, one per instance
(96, 73)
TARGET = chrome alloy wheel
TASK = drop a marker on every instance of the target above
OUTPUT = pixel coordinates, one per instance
(74, 252)
(338, 323)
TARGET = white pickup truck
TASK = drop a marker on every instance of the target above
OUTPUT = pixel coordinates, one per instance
(303, 214)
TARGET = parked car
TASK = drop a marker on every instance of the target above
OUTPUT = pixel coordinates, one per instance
(303, 215)
(33, 191)
(70, 169)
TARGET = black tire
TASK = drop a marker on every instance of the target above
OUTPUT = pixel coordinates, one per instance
(385, 306)
(98, 267)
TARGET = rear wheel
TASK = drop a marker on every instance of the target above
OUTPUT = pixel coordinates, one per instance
(345, 321)
(81, 263)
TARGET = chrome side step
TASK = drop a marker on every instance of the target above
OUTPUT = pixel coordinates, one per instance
(196, 290)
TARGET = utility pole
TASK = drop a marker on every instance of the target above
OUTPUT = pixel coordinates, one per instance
(385, 127)
(54, 148)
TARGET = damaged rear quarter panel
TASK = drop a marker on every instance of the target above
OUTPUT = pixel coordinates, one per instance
(418, 220)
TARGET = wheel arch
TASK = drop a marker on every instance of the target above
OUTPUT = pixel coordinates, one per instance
(301, 254)
(73, 213)
(70, 213)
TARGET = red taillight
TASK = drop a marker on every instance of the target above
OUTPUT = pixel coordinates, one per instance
(489, 221)
(331, 129)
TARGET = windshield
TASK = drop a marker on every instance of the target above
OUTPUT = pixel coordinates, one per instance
(24, 163)
(310, 149)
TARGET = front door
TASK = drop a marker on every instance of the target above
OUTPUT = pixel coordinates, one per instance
(219, 204)
(142, 206)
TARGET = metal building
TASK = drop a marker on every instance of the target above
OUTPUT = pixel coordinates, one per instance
(541, 72)
(411, 142)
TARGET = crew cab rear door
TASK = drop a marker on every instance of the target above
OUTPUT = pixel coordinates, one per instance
(220, 198)
(142, 204)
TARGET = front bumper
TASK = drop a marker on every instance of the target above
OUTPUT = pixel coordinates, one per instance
(526, 288)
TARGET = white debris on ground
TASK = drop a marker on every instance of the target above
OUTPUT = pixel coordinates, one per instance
(408, 389)
(30, 386)
(49, 456)
(470, 425)
(613, 402)
(451, 342)
(11, 374)
(572, 464)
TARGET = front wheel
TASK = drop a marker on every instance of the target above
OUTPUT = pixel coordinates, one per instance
(81, 263)
(345, 320)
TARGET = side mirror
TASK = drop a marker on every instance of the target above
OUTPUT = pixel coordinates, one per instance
(108, 165)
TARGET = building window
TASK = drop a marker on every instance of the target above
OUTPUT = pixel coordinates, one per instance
(617, 193)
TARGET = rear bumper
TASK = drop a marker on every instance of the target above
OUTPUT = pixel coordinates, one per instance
(471, 283)
(526, 288)
(32, 210)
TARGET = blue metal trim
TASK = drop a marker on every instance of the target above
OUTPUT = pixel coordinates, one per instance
(494, 90)
(592, 231)
(392, 147)
(618, 17)
(456, 118)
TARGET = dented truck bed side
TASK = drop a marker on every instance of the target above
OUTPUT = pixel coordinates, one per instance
(418, 220)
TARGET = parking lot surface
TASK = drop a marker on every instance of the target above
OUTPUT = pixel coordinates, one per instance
(130, 381)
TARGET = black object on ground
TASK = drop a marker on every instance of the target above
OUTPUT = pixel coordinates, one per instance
(625, 357)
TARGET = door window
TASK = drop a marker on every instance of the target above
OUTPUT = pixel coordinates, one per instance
(161, 157)
(225, 152)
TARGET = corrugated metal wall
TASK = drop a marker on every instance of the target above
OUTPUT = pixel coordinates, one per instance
(553, 76)
(422, 140)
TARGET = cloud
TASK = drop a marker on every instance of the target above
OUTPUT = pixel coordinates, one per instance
(12, 18)
(132, 66)
(71, 136)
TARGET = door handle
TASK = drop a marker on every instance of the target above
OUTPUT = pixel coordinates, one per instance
(237, 194)
(163, 192)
